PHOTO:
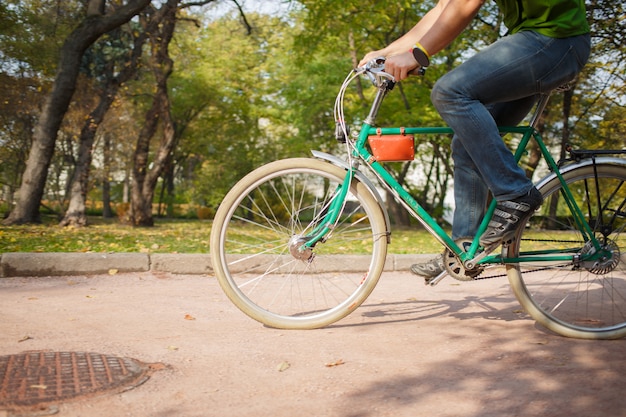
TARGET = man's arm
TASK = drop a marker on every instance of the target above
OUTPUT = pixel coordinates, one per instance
(436, 30)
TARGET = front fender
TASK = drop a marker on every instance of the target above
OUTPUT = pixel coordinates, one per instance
(363, 179)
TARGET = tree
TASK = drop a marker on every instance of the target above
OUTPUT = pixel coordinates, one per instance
(340, 45)
(271, 99)
(579, 116)
(31, 33)
(113, 69)
(226, 105)
(144, 178)
(96, 23)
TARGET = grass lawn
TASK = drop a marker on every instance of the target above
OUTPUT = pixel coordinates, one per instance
(167, 236)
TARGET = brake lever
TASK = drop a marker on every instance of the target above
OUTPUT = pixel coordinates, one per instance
(375, 69)
(377, 66)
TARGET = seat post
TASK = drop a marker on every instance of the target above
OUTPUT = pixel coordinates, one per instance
(541, 105)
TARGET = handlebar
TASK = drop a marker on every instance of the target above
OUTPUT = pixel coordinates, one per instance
(375, 71)
(383, 81)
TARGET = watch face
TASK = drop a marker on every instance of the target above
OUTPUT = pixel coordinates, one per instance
(420, 56)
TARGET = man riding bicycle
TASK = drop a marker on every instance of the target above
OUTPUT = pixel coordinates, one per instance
(547, 45)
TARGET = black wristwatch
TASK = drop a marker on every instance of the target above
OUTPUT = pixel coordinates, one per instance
(420, 56)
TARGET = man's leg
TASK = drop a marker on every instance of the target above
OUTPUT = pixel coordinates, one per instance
(513, 68)
(472, 100)
(470, 191)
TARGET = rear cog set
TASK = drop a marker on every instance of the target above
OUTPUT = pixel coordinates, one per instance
(455, 268)
(605, 264)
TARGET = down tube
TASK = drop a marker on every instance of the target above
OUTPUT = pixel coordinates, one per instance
(422, 215)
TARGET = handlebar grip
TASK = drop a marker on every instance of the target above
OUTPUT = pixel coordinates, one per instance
(419, 71)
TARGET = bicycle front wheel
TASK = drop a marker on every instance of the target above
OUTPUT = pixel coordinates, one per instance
(257, 237)
(576, 298)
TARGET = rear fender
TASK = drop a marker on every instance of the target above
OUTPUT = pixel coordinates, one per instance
(583, 163)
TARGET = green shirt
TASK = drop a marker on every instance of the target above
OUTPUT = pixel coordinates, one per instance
(553, 18)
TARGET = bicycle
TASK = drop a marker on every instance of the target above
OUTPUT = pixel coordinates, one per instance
(280, 229)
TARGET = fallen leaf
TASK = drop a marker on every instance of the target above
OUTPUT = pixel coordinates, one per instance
(113, 271)
(23, 339)
(189, 317)
(336, 363)
(172, 348)
(283, 366)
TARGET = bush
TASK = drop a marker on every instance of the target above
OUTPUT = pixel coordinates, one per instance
(205, 213)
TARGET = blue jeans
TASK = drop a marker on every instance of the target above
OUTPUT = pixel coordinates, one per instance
(498, 86)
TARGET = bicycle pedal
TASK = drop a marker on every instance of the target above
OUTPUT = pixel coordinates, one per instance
(435, 280)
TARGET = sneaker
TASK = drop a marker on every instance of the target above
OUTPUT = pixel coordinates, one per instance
(429, 269)
(509, 216)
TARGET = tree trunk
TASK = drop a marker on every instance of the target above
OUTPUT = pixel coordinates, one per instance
(107, 211)
(75, 214)
(399, 216)
(44, 137)
(144, 179)
(567, 111)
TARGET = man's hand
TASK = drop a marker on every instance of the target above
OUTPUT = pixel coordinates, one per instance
(401, 66)
(371, 55)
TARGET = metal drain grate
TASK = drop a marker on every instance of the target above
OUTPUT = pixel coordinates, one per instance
(33, 378)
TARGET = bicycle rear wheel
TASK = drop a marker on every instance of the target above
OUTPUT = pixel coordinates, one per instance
(576, 299)
(264, 220)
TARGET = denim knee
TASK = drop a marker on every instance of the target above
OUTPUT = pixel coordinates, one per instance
(440, 95)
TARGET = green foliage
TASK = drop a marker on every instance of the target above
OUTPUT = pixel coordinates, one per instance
(241, 99)
(216, 100)
(32, 31)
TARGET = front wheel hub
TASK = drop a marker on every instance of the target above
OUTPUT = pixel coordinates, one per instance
(298, 250)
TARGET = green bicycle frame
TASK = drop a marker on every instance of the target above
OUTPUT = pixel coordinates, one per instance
(426, 219)
(361, 152)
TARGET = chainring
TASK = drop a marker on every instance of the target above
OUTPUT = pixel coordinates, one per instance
(455, 267)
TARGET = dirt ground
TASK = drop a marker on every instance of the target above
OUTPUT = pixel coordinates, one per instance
(457, 349)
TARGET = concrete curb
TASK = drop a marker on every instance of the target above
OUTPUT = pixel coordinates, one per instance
(22, 264)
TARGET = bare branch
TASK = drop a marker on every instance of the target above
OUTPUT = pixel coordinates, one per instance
(243, 17)
(194, 3)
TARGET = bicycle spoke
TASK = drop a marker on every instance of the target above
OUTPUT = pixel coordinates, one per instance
(262, 227)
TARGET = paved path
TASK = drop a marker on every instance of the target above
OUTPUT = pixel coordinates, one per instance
(457, 349)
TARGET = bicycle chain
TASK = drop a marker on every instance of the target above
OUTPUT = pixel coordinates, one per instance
(478, 277)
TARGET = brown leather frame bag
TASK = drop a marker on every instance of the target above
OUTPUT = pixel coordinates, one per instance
(392, 148)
